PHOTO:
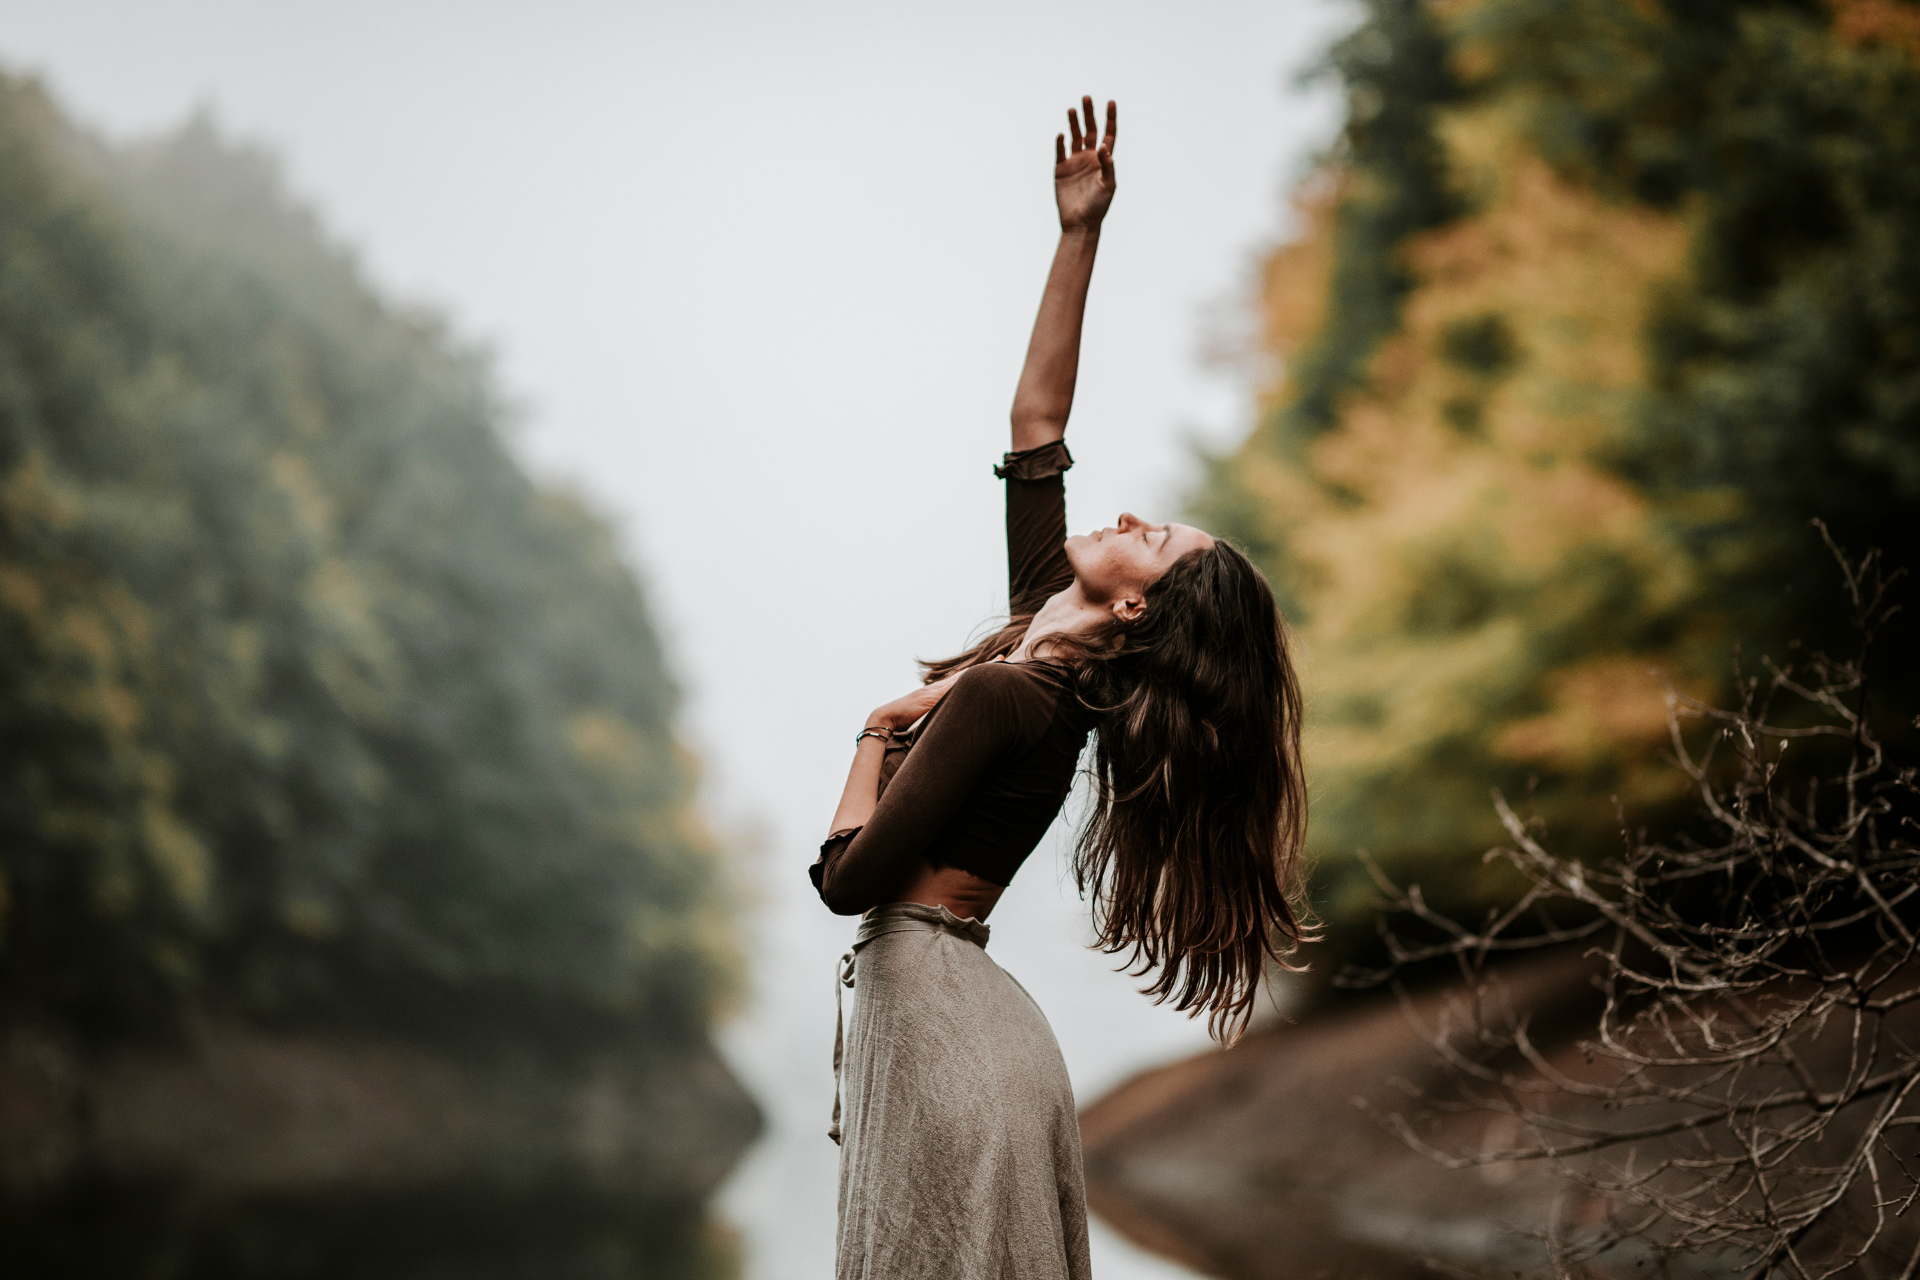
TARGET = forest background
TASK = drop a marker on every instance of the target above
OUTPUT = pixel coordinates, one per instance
(1580, 318)
(1600, 306)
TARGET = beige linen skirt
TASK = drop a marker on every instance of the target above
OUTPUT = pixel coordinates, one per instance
(959, 1145)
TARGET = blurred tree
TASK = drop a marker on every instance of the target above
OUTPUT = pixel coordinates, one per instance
(313, 707)
(1650, 301)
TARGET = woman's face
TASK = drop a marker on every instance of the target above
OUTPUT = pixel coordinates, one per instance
(1117, 564)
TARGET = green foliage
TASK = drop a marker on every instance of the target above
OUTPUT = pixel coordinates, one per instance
(1786, 369)
(1395, 69)
(1481, 345)
(1646, 305)
(1393, 185)
(312, 705)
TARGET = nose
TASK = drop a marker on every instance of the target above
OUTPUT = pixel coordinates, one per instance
(1129, 522)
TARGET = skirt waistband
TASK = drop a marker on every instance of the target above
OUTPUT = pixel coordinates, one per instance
(910, 917)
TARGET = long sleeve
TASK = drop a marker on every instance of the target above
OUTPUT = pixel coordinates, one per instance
(1037, 565)
(987, 716)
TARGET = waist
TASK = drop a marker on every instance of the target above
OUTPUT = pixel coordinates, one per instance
(961, 892)
(919, 917)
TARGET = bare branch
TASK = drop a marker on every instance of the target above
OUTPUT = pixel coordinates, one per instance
(1739, 1092)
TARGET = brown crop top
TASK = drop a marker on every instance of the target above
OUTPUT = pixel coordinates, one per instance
(986, 771)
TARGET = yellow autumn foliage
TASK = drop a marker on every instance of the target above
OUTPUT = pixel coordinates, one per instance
(1478, 599)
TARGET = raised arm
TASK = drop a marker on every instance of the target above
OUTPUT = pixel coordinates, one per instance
(1083, 186)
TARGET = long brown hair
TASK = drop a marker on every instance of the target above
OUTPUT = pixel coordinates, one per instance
(1192, 852)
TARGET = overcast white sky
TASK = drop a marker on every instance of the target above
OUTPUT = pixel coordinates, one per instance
(761, 276)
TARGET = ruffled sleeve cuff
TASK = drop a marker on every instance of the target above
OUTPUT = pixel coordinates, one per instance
(1050, 459)
(835, 845)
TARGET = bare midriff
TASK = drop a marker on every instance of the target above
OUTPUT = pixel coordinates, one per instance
(960, 892)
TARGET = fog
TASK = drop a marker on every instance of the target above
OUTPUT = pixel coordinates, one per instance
(757, 280)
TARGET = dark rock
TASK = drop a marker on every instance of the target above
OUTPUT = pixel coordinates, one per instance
(236, 1112)
(1271, 1160)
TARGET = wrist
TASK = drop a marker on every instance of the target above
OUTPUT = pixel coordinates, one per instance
(1080, 231)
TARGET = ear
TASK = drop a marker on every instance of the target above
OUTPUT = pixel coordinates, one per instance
(1129, 608)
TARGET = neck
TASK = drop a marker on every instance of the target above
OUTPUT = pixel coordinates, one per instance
(1069, 613)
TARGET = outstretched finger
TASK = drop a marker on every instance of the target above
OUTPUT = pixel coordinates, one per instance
(1086, 114)
(1059, 148)
(1106, 165)
(1073, 123)
(1113, 125)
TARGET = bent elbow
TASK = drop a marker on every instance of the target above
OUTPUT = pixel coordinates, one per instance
(840, 901)
(829, 878)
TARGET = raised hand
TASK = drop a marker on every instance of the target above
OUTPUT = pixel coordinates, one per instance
(1083, 188)
(1083, 183)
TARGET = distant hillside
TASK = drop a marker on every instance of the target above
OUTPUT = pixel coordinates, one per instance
(319, 720)
(1594, 307)
(314, 701)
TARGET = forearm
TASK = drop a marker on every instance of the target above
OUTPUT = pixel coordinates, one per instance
(862, 792)
(1044, 397)
(859, 872)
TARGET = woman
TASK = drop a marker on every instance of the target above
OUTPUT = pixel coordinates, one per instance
(960, 1151)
